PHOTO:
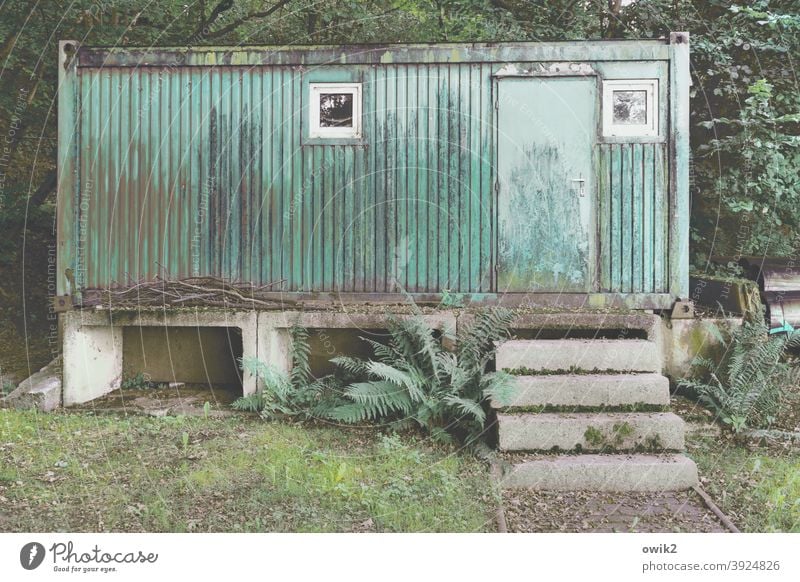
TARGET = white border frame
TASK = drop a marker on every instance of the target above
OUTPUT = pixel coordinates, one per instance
(650, 128)
(314, 130)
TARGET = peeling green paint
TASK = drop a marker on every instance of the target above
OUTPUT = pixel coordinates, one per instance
(196, 161)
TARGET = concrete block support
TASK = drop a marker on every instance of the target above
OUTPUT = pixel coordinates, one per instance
(92, 357)
(274, 338)
(688, 338)
(93, 345)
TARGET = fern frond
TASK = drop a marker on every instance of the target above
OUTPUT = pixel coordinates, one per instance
(467, 407)
(379, 397)
(349, 413)
(250, 403)
(300, 354)
(477, 339)
(355, 366)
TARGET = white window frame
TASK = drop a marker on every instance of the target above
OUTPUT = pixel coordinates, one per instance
(650, 127)
(316, 90)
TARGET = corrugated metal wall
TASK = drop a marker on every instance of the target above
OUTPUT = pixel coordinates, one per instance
(633, 217)
(202, 171)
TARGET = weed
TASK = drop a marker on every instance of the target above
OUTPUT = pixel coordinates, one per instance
(594, 437)
(138, 382)
(6, 388)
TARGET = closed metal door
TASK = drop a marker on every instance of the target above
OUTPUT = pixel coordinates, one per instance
(546, 192)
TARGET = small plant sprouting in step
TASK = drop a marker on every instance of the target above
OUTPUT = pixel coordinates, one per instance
(747, 386)
(206, 409)
(621, 431)
(654, 443)
(574, 370)
(185, 441)
(594, 437)
(600, 440)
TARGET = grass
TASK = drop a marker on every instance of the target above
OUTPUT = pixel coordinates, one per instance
(758, 488)
(86, 473)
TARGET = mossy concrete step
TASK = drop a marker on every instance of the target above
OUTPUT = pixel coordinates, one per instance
(587, 390)
(603, 473)
(578, 354)
(591, 431)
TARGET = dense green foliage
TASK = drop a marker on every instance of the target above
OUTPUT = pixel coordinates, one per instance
(412, 380)
(744, 102)
(748, 386)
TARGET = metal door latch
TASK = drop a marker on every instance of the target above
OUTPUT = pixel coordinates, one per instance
(581, 185)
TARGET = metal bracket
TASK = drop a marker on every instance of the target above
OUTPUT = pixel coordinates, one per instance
(62, 303)
(682, 310)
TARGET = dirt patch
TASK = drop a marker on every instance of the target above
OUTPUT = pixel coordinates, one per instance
(579, 511)
(181, 399)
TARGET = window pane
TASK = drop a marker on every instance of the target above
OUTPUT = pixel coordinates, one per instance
(630, 107)
(336, 110)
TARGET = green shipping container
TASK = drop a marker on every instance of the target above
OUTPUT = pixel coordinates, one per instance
(537, 173)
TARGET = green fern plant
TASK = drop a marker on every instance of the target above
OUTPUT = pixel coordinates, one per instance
(413, 379)
(746, 388)
(288, 394)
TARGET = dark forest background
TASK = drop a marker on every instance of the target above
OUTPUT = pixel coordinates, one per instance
(745, 102)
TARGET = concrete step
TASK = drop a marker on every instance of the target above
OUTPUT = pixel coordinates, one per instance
(603, 473)
(580, 354)
(590, 431)
(587, 390)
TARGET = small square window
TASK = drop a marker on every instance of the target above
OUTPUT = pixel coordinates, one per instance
(630, 108)
(335, 110)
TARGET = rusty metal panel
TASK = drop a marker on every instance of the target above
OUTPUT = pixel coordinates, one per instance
(202, 166)
(633, 217)
(205, 171)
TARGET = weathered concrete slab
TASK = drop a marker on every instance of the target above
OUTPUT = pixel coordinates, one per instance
(274, 343)
(590, 431)
(686, 339)
(42, 391)
(604, 473)
(92, 358)
(588, 390)
(572, 354)
(573, 320)
(93, 344)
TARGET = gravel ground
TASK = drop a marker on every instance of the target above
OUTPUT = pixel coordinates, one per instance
(584, 511)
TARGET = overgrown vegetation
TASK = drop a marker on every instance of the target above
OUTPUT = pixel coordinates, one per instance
(139, 381)
(411, 380)
(292, 394)
(757, 488)
(746, 388)
(744, 98)
(86, 473)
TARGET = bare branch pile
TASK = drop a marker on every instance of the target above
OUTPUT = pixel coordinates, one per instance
(189, 292)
